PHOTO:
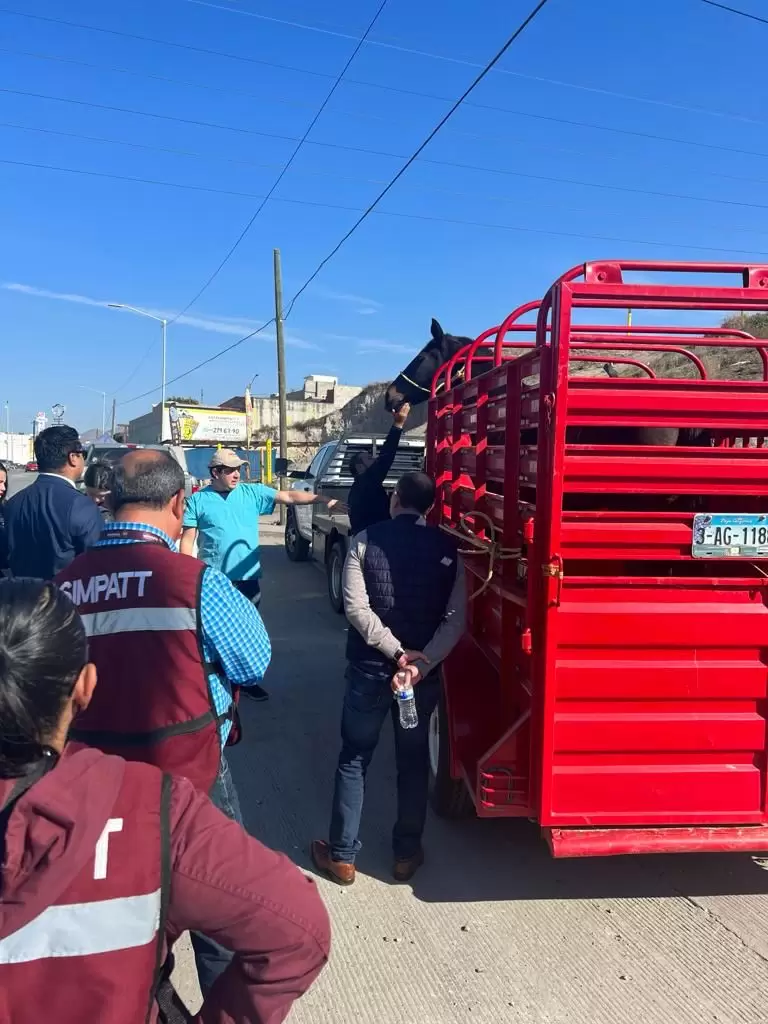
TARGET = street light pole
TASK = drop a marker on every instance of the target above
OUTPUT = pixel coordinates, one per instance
(281, 395)
(163, 328)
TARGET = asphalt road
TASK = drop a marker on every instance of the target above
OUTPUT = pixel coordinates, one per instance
(492, 929)
(19, 480)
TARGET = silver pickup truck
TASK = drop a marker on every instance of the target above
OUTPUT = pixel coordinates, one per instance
(314, 531)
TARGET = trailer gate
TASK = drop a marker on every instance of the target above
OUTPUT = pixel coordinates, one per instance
(622, 681)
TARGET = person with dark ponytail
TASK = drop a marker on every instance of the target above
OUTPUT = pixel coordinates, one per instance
(105, 862)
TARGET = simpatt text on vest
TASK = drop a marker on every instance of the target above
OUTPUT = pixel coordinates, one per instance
(105, 586)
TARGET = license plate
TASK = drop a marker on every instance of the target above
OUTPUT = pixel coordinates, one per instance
(730, 535)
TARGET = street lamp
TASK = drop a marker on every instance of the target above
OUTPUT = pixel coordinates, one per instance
(84, 387)
(163, 324)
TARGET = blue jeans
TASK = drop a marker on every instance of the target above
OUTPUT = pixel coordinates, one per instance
(367, 702)
(211, 959)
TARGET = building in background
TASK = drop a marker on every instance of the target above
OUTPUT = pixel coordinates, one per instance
(225, 424)
(39, 423)
(15, 448)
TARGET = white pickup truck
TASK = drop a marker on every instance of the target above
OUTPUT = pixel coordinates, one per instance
(112, 453)
(314, 531)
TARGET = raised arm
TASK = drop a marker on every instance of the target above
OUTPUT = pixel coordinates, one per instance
(379, 469)
(302, 498)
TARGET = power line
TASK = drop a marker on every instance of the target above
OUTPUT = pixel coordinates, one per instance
(147, 76)
(422, 53)
(506, 172)
(653, 136)
(286, 167)
(571, 234)
(474, 64)
(468, 223)
(148, 113)
(351, 209)
(327, 31)
(372, 206)
(239, 130)
(238, 162)
(164, 42)
(136, 369)
(206, 87)
(735, 10)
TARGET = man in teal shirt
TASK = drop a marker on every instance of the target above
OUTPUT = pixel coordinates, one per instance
(223, 519)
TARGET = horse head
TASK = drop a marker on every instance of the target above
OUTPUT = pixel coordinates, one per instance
(414, 384)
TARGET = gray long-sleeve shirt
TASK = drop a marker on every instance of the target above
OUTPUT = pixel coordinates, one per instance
(368, 624)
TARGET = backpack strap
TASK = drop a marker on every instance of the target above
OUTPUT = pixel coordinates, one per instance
(170, 1005)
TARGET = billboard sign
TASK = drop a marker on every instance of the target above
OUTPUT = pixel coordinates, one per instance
(192, 424)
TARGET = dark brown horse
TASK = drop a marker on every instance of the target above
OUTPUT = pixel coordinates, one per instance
(414, 384)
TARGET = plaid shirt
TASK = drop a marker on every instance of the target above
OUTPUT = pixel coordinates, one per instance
(232, 631)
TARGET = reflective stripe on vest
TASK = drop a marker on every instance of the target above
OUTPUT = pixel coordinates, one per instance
(135, 620)
(83, 929)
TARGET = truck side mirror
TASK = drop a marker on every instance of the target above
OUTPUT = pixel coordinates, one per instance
(281, 467)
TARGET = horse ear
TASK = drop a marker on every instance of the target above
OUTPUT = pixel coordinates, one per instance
(437, 331)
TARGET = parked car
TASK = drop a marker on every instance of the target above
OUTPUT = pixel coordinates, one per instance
(31, 467)
(315, 531)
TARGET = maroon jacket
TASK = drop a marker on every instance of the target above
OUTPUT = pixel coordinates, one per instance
(140, 605)
(80, 903)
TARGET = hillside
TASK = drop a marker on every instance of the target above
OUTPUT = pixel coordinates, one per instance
(366, 413)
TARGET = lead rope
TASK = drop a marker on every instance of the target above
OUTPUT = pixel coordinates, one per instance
(493, 548)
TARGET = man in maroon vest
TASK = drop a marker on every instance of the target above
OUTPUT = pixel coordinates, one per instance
(106, 862)
(169, 636)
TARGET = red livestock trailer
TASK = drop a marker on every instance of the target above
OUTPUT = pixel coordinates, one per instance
(613, 682)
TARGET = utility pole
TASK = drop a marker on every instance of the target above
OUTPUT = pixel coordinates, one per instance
(114, 416)
(8, 445)
(282, 404)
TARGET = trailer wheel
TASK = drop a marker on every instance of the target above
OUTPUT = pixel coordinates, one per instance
(296, 547)
(334, 569)
(449, 797)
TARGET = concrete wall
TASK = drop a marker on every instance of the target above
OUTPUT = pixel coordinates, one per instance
(145, 429)
(266, 411)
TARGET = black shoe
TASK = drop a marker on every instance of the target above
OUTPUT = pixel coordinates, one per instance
(257, 693)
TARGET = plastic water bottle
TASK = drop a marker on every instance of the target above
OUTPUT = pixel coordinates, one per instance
(406, 702)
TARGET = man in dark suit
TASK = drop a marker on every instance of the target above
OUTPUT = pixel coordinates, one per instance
(50, 522)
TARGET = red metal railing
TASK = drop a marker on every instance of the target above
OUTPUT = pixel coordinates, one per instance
(619, 686)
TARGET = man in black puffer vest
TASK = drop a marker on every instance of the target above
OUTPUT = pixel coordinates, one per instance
(405, 599)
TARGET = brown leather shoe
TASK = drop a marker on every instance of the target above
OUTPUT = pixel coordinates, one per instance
(405, 869)
(338, 872)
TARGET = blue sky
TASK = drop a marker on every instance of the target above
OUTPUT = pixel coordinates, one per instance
(73, 242)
